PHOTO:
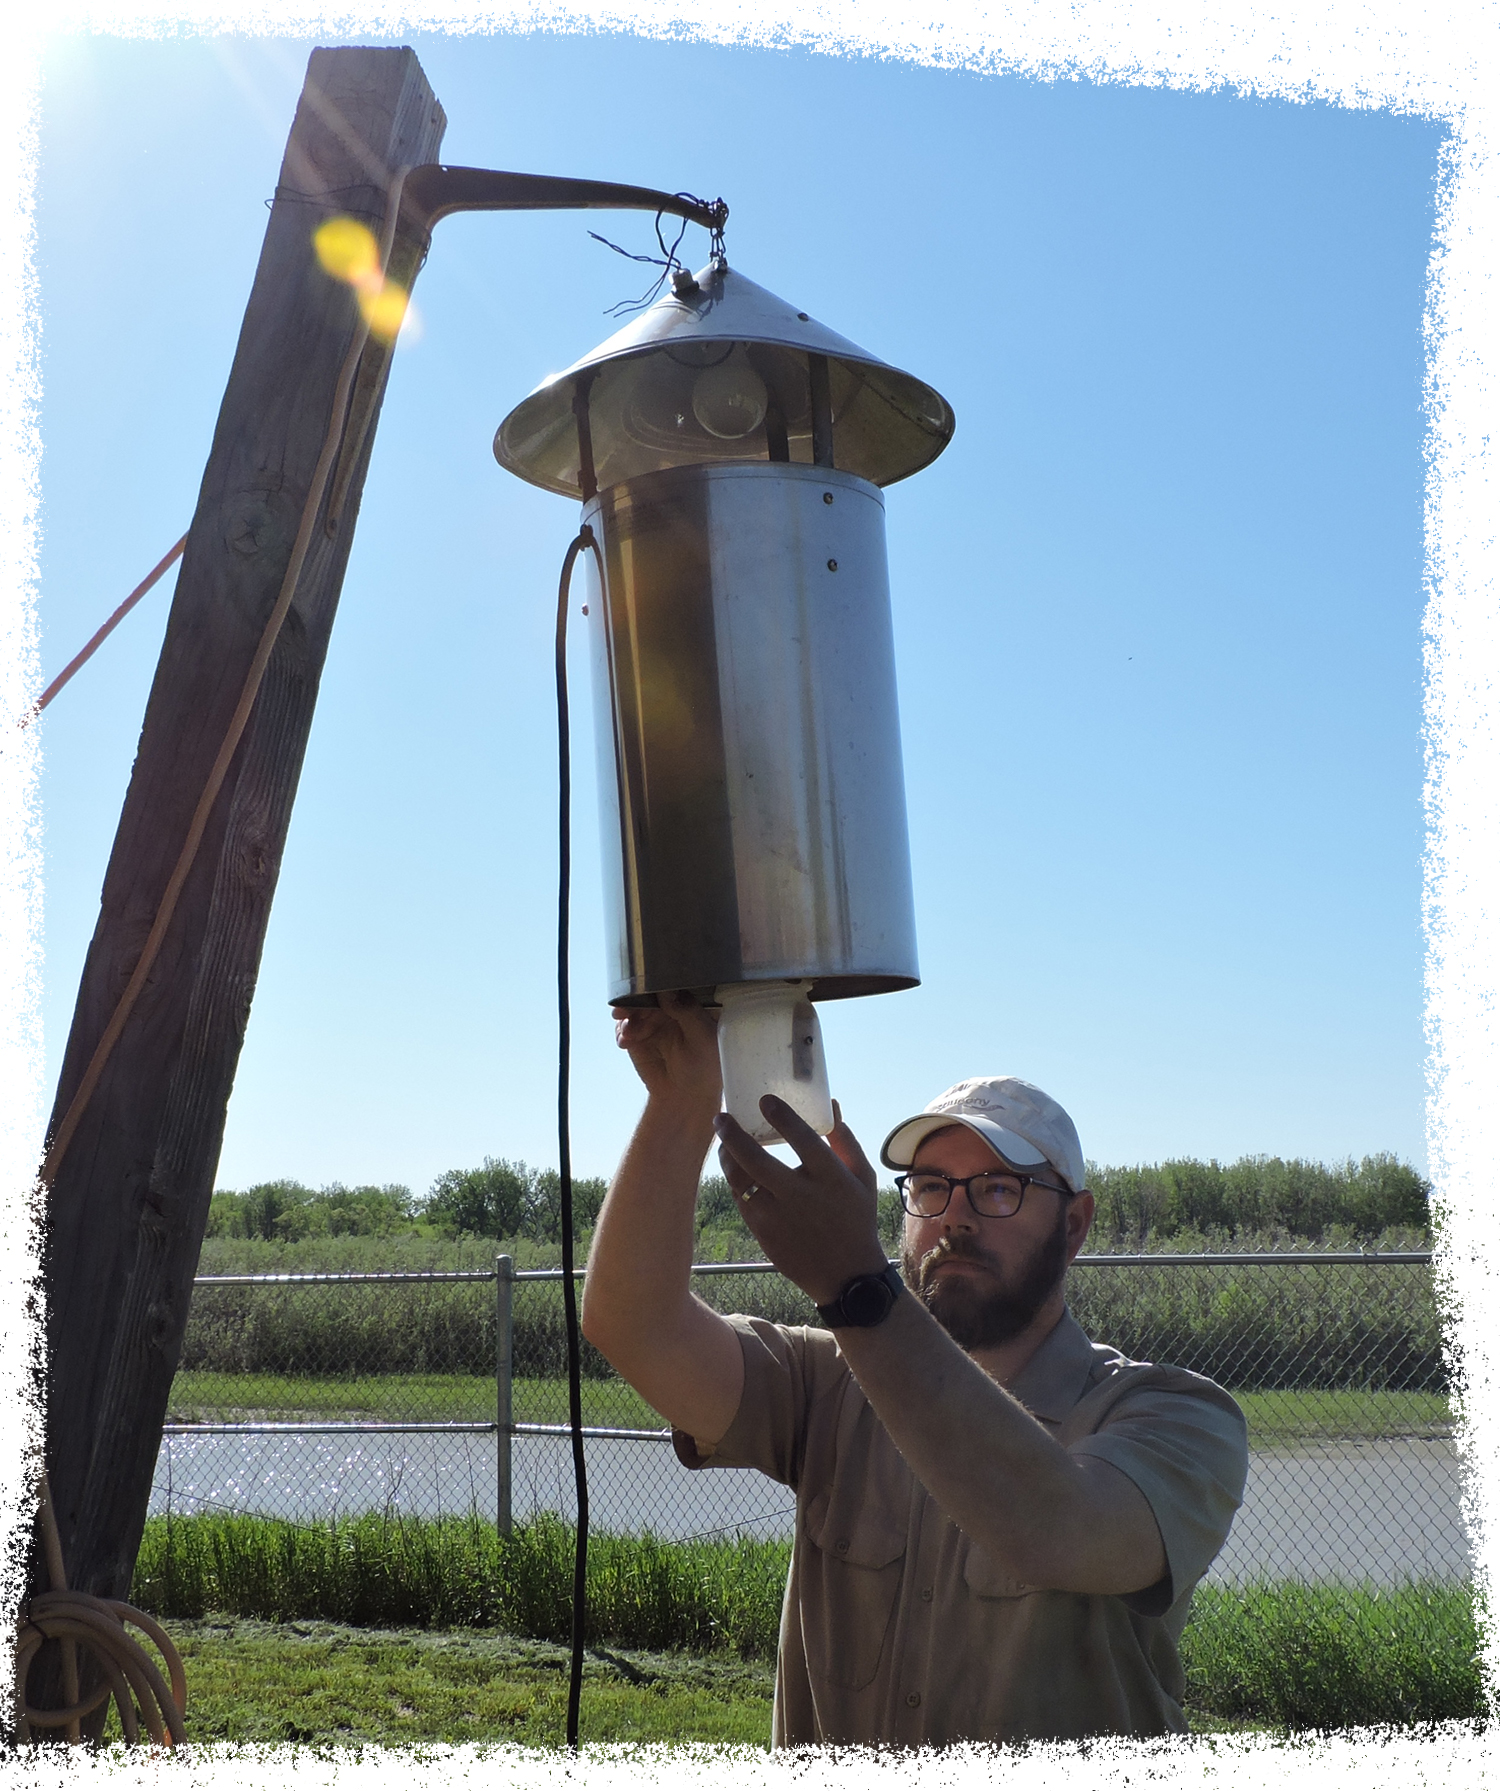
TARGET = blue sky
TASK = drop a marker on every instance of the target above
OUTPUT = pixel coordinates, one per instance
(1157, 608)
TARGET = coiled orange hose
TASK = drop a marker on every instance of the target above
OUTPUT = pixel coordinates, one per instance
(131, 1677)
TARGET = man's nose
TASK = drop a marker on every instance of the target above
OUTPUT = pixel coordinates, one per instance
(960, 1215)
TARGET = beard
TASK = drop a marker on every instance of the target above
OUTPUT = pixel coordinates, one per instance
(978, 1312)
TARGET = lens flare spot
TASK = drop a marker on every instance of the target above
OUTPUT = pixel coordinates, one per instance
(410, 333)
(384, 310)
(348, 250)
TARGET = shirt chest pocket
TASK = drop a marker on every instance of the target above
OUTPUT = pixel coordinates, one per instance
(851, 1574)
(985, 1577)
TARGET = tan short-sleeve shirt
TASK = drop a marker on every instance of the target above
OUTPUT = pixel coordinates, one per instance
(898, 1630)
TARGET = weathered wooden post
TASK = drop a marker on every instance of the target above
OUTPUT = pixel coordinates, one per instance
(129, 1197)
(138, 1120)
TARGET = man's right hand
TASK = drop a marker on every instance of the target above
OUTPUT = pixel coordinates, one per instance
(674, 1048)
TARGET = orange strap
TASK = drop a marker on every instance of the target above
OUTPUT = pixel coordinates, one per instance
(98, 639)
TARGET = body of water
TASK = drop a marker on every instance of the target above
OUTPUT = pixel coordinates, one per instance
(1380, 1511)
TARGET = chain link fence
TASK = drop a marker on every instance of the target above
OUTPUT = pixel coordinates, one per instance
(316, 1396)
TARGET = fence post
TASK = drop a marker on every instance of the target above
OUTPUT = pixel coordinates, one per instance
(504, 1284)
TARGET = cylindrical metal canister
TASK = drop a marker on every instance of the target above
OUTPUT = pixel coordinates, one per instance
(751, 799)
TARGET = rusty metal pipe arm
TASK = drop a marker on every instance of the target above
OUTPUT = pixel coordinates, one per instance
(435, 190)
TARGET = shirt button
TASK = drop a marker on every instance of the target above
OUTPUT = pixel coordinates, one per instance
(842, 1545)
(914, 1698)
(927, 1595)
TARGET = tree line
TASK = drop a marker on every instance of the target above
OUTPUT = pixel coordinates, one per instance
(504, 1199)
(1258, 1194)
(498, 1199)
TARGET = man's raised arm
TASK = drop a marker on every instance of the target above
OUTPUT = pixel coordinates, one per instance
(638, 1308)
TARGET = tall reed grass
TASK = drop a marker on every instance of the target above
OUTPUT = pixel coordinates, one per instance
(1323, 1326)
(391, 1571)
(1334, 1656)
(1295, 1655)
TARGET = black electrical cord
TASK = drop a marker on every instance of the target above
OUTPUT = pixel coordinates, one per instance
(585, 538)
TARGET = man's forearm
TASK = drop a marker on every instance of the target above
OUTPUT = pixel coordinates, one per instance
(638, 1308)
(1052, 1519)
(643, 1239)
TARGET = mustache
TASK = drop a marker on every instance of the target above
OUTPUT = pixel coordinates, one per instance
(958, 1246)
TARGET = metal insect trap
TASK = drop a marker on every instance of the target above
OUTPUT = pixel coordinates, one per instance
(729, 453)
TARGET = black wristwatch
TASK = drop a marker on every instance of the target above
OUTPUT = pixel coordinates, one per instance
(865, 1301)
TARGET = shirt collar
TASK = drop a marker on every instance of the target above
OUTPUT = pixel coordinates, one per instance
(1053, 1381)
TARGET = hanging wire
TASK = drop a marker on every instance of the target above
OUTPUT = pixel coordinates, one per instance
(668, 260)
(584, 539)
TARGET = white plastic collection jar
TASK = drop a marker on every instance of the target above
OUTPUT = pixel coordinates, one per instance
(770, 1043)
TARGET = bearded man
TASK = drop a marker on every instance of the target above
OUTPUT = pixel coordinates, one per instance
(999, 1523)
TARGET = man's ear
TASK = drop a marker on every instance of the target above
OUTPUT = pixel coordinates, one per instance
(1080, 1218)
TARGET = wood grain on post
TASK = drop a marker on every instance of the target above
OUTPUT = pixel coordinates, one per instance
(129, 1202)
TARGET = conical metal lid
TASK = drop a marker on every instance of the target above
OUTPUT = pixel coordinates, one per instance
(676, 386)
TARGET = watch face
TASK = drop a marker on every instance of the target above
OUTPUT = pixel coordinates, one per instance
(866, 1301)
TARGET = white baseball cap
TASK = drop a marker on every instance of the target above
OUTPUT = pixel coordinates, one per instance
(1013, 1117)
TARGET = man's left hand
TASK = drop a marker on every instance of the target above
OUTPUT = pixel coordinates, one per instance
(815, 1221)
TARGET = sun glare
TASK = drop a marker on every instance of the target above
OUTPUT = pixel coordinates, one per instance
(384, 311)
(348, 251)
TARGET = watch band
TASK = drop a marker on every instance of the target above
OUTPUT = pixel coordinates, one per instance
(865, 1301)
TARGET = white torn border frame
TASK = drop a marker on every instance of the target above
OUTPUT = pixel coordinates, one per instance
(1441, 62)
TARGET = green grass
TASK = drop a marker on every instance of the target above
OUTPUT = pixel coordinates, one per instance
(203, 1396)
(611, 1402)
(330, 1685)
(1306, 1416)
(458, 1573)
(327, 1683)
(1333, 1656)
(1285, 1655)
(198, 1396)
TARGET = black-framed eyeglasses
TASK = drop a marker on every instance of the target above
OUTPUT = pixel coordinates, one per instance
(993, 1195)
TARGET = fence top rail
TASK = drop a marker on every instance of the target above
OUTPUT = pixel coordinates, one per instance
(337, 1275)
(1152, 1259)
(329, 1427)
(1253, 1259)
(592, 1430)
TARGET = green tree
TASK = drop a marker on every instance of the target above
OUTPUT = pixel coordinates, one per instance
(337, 1211)
(290, 1211)
(255, 1213)
(1256, 1194)
(501, 1199)
(544, 1209)
(491, 1201)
